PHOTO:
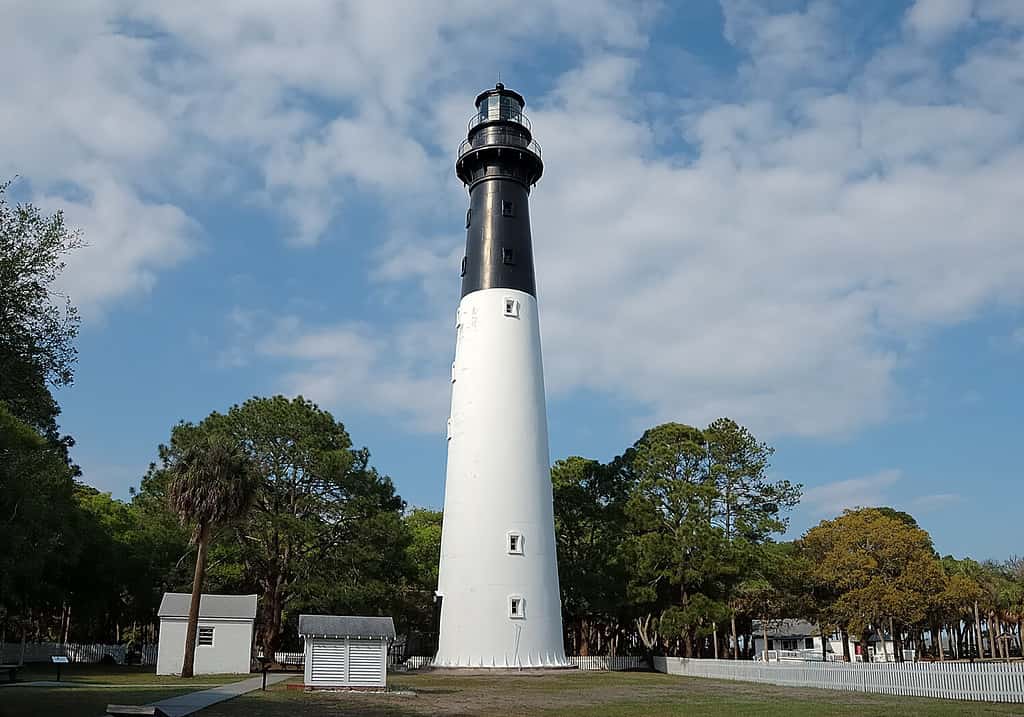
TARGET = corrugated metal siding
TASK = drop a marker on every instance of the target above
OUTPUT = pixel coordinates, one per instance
(365, 663)
(330, 660)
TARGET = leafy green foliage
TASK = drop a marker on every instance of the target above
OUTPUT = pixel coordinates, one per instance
(663, 536)
(37, 512)
(37, 324)
(212, 482)
(325, 531)
(589, 519)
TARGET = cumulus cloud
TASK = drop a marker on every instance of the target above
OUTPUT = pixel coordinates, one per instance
(781, 264)
(773, 256)
(865, 492)
(934, 19)
(350, 364)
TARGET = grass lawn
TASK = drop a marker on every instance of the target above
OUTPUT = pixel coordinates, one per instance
(611, 694)
(87, 692)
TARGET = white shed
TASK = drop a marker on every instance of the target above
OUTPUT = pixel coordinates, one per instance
(346, 651)
(223, 638)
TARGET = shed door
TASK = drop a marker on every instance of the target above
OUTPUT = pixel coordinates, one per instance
(329, 660)
(365, 663)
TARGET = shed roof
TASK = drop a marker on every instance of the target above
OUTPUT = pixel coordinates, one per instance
(787, 628)
(234, 607)
(347, 626)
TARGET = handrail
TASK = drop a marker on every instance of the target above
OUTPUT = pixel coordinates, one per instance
(511, 140)
(496, 114)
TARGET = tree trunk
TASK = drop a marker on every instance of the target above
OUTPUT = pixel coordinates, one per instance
(273, 606)
(735, 639)
(584, 638)
(188, 664)
(885, 646)
(977, 626)
(937, 633)
(764, 631)
(845, 637)
(897, 644)
(998, 644)
(824, 643)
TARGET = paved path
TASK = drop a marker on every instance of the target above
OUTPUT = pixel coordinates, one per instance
(193, 702)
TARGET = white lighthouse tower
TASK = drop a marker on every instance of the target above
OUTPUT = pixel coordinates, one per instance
(498, 582)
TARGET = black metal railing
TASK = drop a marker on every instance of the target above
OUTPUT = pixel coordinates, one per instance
(499, 138)
(495, 114)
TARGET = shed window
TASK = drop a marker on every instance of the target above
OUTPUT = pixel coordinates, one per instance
(516, 607)
(771, 644)
(511, 307)
(809, 643)
(204, 637)
(515, 543)
(508, 208)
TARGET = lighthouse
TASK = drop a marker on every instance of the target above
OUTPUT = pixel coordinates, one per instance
(498, 582)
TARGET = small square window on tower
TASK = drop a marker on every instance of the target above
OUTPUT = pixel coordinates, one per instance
(508, 256)
(508, 208)
(516, 607)
(465, 261)
(514, 542)
(469, 217)
(511, 307)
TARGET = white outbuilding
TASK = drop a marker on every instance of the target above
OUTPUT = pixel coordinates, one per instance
(223, 638)
(346, 651)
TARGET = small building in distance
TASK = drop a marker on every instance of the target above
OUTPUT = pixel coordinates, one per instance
(223, 638)
(792, 640)
(346, 651)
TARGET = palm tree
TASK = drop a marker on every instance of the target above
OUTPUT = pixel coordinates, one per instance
(212, 483)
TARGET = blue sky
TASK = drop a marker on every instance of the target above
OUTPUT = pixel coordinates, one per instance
(801, 215)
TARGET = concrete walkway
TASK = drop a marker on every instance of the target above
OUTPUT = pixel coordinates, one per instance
(195, 701)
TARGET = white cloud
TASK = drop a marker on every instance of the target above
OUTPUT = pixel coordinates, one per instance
(79, 116)
(935, 501)
(131, 104)
(935, 19)
(128, 241)
(772, 257)
(779, 273)
(349, 364)
(869, 491)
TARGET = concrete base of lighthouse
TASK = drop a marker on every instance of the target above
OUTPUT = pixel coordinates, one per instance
(498, 582)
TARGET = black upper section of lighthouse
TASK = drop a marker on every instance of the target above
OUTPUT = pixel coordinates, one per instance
(499, 161)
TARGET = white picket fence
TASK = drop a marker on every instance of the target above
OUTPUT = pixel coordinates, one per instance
(604, 663)
(588, 662)
(987, 682)
(11, 652)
